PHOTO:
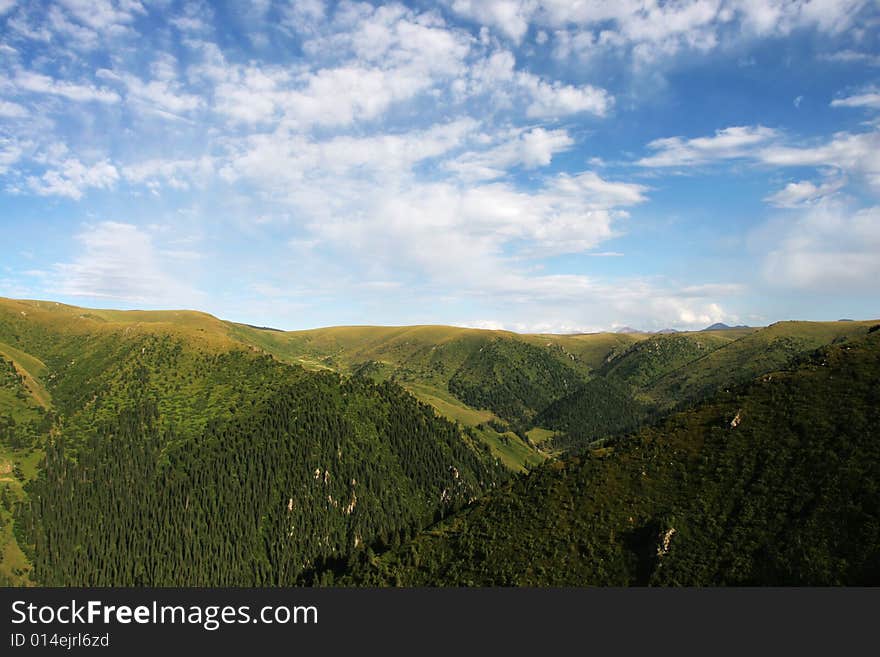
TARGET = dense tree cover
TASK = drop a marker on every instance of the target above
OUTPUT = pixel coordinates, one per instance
(643, 362)
(309, 475)
(183, 457)
(514, 379)
(775, 347)
(777, 482)
(647, 380)
(601, 407)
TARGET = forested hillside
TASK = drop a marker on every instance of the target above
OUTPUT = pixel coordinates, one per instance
(776, 482)
(175, 454)
(654, 376)
(311, 474)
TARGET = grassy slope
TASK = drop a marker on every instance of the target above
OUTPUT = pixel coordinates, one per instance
(14, 566)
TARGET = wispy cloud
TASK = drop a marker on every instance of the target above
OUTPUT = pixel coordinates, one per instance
(869, 100)
(829, 247)
(725, 144)
(120, 262)
(37, 83)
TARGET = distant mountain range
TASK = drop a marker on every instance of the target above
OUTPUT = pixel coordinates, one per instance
(718, 326)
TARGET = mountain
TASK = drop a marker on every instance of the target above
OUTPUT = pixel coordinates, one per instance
(774, 482)
(172, 447)
(719, 326)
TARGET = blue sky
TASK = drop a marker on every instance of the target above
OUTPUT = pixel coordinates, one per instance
(523, 164)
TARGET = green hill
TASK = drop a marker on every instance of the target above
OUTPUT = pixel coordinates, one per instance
(751, 355)
(644, 362)
(776, 482)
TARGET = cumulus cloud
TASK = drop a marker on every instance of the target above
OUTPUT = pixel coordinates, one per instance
(511, 17)
(641, 303)
(552, 99)
(392, 149)
(365, 61)
(283, 158)
(12, 110)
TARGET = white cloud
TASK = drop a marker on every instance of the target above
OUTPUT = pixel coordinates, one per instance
(600, 193)
(6, 5)
(653, 31)
(553, 99)
(852, 153)
(11, 151)
(177, 174)
(798, 194)
(728, 143)
(163, 95)
(346, 94)
(590, 305)
(81, 37)
(107, 16)
(283, 158)
(527, 148)
(330, 97)
(195, 18)
(362, 63)
(121, 262)
(511, 17)
(304, 15)
(72, 178)
(12, 110)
